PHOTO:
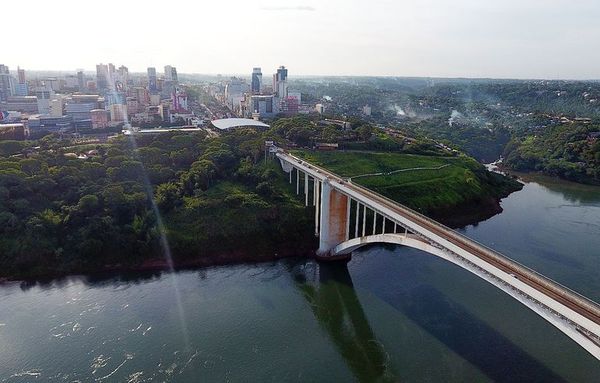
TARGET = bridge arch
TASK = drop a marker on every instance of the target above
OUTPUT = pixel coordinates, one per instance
(341, 215)
(416, 242)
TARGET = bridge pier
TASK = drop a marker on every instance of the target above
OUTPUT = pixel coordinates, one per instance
(573, 314)
(334, 221)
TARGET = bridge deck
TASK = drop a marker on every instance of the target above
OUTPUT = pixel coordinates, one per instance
(574, 301)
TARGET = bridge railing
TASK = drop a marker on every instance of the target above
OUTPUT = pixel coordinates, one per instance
(540, 278)
(555, 286)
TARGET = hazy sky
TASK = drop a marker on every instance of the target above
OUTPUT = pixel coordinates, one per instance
(449, 38)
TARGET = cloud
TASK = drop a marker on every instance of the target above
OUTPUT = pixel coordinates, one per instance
(288, 8)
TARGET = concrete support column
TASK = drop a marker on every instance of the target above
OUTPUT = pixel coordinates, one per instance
(317, 207)
(383, 228)
(297, 181)
(374, 222)
(395, 227)
(348, 203)
(364, 220)
(357, 217)
(334, 206)
(291, 171)
(305, 189)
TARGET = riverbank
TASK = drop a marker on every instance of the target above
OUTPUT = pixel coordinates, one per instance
(161, 264)
(205, 202)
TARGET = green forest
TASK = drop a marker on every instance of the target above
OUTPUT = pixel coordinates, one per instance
(567, 151)
(205, 200)
(63, 214)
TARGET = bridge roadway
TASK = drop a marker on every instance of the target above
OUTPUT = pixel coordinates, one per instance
(578, 311)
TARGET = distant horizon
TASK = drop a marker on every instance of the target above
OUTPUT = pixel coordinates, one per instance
(292, 74)
(508, 39)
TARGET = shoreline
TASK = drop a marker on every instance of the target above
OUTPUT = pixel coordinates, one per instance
(159, 265)
(470, 214)
(456, 217)
(536, 175)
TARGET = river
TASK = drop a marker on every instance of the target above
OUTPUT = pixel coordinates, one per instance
(393, 314)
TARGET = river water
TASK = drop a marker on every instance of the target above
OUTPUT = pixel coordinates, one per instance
(393, 314)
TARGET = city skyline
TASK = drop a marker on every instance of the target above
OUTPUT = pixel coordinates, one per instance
(509, 39)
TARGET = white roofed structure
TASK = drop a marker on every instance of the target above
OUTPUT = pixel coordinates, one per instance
(230, 123)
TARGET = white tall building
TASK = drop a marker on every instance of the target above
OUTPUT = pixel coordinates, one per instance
(257, 82)
(170, 73)
(44, 96)
(57, 105)
(280, 86)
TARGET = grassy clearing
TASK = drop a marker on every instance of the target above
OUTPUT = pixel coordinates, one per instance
(462, 181)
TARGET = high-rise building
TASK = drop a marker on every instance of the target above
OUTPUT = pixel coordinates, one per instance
(105, 77)
(234, 91)
(280, 83)
(6, 83)
(256, 81)
(168, 83)
(21, 88)
(101, 76)
(122, 79)
(118, 112)
(21, 75)
(142, 96)
(81, 80)
(171, 74)
(152, 82)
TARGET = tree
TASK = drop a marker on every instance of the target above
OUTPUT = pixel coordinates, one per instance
(88, 204)
(365, 132)
(30, 166)
(167, 196)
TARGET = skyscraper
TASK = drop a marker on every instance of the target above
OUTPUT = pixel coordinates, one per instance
(256, 81)
(80, 80)
(21, 75)
(20, 88)
(171, 74)
(152, 83)
(102, 76)
(280, 83)
(6, 83)
(105, 77)
(122, 78)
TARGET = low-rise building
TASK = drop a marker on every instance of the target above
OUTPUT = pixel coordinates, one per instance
(12, 132)
(25, 104)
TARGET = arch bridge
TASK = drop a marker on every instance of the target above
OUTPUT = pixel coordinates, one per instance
(349, 216)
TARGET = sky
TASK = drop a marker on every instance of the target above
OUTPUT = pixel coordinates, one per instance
(548, 39)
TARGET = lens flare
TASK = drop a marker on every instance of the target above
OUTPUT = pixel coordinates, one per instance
(164, 242)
